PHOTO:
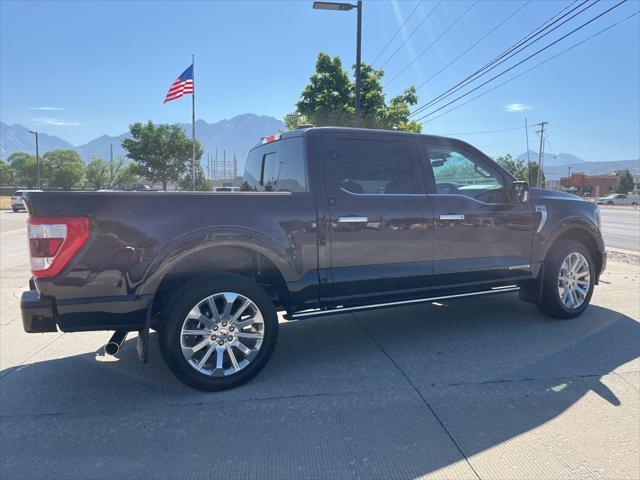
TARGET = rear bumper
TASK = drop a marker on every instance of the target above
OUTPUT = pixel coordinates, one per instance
(43, 314)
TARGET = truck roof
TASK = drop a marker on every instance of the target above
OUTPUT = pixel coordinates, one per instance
(299, 132)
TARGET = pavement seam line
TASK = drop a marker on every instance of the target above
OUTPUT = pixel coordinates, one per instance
(22, 362)
(431, 409)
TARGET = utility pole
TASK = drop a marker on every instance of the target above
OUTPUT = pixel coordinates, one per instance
(110, 164)
(35, 132)
(224, 163)
(540, 153)
(526, 132)
(208, 167)
(235, 166)
(358, 50)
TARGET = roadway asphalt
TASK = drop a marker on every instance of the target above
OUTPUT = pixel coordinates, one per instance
(478, 388)
(621, 227)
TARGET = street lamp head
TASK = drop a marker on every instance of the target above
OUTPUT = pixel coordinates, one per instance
(31, 131)
(333, 6)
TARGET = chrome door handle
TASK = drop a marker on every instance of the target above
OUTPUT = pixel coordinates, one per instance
(452, 216)
(353, 219)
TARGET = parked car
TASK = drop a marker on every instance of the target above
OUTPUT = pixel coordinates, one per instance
(619, 199)
(330, 220)
(16, 200)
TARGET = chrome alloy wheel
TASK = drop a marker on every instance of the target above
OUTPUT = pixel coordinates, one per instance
(222, 334)
(574, 280)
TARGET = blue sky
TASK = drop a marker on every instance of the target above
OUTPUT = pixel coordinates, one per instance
(99, 66)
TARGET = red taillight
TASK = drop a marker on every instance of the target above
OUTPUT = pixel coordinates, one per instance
(271, 138)
(53, 241)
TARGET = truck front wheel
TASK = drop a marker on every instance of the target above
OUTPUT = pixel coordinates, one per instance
(568, 280)
(219, 332)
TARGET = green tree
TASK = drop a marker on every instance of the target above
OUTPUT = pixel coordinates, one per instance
(63, 168)
(203, 184)
(24, 169)
(160, 153)
(6, 173)
(520, 170)
(103, 174)
(328, 99)
(625, 182)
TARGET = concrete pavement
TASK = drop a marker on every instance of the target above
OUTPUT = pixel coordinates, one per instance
(621, 227)
(478, 388)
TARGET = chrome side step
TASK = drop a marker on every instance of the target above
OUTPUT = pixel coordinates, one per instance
(318, 312)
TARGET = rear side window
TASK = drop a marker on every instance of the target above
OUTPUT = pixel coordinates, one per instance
(373, 167)
(276, 167)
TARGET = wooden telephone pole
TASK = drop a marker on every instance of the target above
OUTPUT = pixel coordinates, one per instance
(540, 154)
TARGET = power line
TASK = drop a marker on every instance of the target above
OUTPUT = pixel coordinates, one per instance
(524, 60)
(575, 45)
(475, 44)
(433, 43)
(508, 54)
(484, 131)
(411, 34)
(397, 32)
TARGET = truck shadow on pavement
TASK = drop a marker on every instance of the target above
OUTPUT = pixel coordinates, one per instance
(388, 393)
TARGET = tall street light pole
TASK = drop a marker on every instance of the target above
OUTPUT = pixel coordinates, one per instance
(37, 159)
(346, 7)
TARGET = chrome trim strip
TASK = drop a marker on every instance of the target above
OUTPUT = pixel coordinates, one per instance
(353, 219)
(520, 267)
(384, 194)
(542, 210)
(453, 216)
(317, 313)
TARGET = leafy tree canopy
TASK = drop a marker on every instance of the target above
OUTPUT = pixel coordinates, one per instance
(203, 184)
(63, 168)
(161, 153)
(6, 173)
(329, 99)
(625, 182)
(520, 170)
(102, 174)
(24, 169)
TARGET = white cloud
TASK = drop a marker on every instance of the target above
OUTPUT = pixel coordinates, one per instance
(517, 107)
(55, 122)
(47, 109)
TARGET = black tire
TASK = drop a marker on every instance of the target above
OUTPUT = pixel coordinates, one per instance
(15, 210)
(181, 303)
(551, 303)
(609, 202)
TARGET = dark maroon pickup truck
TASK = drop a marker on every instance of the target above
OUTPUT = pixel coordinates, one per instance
(328, 220)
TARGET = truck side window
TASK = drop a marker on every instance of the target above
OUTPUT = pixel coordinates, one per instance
(459, 173)
(373, 167)
(276, 167)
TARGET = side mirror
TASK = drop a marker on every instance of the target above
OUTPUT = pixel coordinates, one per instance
(521, 191)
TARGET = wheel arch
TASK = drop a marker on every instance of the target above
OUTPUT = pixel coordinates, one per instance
(206, 254)
(584, 235)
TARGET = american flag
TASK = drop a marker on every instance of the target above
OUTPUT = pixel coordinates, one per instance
(182, 86)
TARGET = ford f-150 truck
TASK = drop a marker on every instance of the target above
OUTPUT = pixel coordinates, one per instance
(328, 220)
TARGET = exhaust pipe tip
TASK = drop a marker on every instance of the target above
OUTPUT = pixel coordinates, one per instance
(113, 345)
(112, 348)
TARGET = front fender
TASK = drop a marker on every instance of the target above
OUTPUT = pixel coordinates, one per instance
(206, 238)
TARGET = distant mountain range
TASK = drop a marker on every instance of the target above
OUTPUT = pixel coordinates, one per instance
(557, 165)
(552, 159)
(238, 134)
(235, 135)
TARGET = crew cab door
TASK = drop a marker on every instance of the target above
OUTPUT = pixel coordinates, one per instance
(482, 233)
(380, 218)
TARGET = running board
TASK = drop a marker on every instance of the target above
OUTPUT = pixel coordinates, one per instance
(332, 311)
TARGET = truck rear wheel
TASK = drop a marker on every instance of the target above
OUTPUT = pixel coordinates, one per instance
(219, 332)
(568, 281)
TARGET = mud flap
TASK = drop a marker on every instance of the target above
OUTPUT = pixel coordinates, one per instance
(142, 345)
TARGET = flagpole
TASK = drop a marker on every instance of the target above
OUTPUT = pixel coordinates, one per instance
(193, 125)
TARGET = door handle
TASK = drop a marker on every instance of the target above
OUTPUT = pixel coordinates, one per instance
(353, 219)
(452, 216)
